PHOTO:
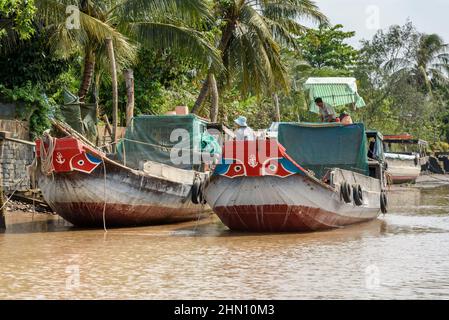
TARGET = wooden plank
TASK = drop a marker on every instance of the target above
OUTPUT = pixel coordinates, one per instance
(5, 135)
(30, 200)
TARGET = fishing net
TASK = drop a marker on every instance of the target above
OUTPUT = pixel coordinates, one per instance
(323, 147)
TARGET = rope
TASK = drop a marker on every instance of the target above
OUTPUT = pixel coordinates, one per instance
(47, 155)
(104, 205)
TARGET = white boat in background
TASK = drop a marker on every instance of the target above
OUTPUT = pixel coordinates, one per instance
(406, 157)
(402, 167)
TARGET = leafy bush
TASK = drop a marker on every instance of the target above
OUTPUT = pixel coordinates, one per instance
(34, 106)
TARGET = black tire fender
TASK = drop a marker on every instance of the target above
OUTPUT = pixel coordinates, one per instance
(357, 194)
(346, 193)
(196, 191)
(383, 202)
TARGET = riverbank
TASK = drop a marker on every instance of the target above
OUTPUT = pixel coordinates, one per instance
(16, 206)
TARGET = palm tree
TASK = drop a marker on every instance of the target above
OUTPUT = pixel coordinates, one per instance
(251, 35)
(153, 23)
(426, 66)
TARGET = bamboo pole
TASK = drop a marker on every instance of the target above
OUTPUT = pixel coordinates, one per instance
(129, 81)
(107, 127)
(110, 47)
(277, 111)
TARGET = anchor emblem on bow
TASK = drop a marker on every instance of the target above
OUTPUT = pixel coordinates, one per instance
(252, 161)
(59, 158)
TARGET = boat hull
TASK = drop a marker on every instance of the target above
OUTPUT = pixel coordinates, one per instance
(403, 171)
(292, 204)
(117, 197)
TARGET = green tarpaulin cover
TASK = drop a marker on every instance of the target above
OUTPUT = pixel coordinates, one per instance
(334, 91)
(152, 138)
(80, 116)
(320, 147)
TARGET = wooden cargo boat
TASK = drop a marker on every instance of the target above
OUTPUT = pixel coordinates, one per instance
(313, 177)
(85, 187)
(406, 157)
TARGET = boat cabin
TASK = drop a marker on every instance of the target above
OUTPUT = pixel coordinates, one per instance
(321, 147)
(375, 154)
(405, 144)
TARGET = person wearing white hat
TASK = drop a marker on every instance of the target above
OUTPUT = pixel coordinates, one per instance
(244, 132)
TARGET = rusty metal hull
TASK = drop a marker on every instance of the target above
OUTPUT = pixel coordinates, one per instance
(127, 197)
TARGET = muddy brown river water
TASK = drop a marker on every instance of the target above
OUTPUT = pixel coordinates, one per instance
(402, 255)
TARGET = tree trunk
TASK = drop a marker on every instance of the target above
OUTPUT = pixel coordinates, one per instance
(96, 92)
(224, 42)
(111, 55)
(202, 96)
(129, 80)
(276, 108)
(426, 81)
(214, 98)
(89, 66)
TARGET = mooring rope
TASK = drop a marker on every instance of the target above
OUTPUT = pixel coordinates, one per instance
(47, 155)
(104, 205)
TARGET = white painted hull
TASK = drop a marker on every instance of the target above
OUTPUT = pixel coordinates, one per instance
(402, 170)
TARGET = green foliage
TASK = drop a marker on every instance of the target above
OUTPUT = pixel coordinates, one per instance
(327, 47)
(402, 83)
(34, 78)
(164, 24)
(162, 81)
(251, 36)
(33, 61)
(18, 16)
(440, 146)
(34, 106)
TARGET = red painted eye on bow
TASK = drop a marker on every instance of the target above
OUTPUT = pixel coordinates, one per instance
(84, 162)
(236, 170)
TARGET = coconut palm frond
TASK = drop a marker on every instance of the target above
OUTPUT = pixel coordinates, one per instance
(293, 10)
(191, 12)
(180, 39)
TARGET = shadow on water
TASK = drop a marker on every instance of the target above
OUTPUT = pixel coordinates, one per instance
(34, 223)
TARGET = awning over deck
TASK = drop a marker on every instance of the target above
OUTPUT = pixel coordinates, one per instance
(334, 91)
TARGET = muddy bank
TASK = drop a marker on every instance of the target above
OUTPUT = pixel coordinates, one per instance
(16, 206)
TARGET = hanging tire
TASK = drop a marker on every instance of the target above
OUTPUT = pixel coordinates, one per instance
(383, 202)
(345, 190)
(196, 191)
(357, 194)
(201, 195)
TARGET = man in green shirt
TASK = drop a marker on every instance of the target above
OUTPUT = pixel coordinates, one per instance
(327, 112)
